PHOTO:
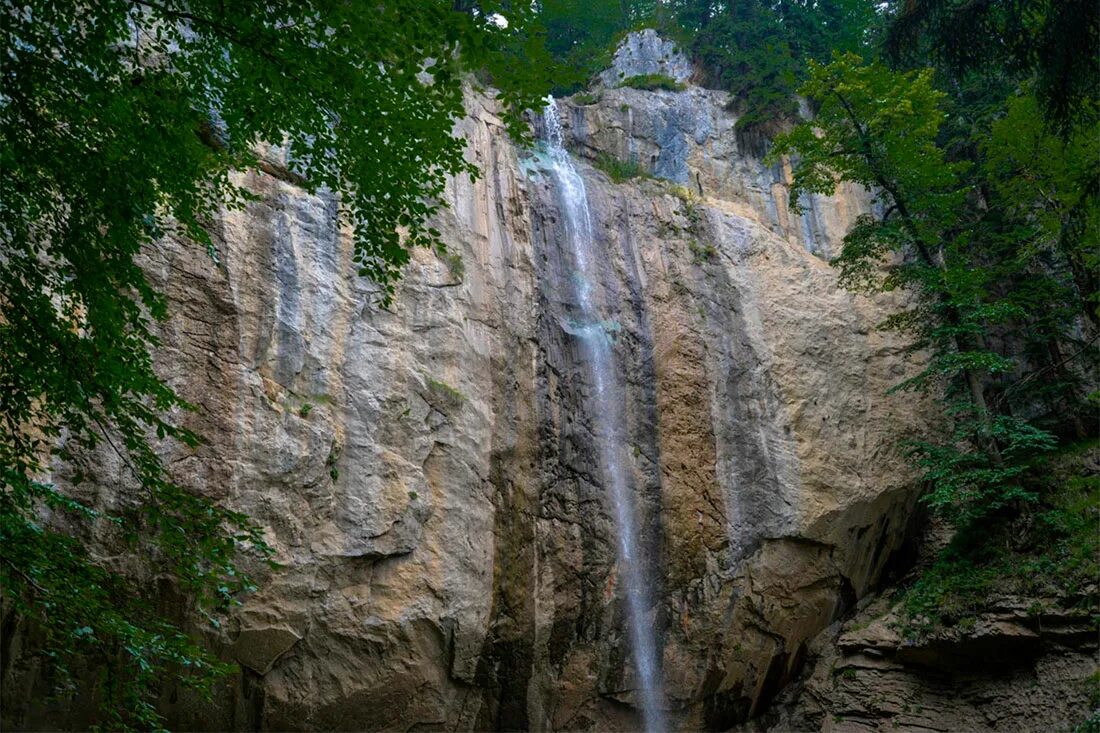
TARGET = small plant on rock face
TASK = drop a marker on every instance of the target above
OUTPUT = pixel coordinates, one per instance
(619, 170)
(305, 409)
(690, 204)
(683, 193)
(1090, 724)
(1092, 682)
(446, 397)
(330, 461)
(585, 99)
(653, 82)
(702, 251)
(453, 261)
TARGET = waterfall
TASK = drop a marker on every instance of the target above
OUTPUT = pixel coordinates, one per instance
(605, 410)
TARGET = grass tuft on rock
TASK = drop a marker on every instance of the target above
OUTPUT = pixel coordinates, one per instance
(446, 396)
(619, 170)
(453, 260)
(653, 82)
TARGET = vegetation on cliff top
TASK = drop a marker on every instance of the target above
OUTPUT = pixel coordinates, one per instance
(755, 49)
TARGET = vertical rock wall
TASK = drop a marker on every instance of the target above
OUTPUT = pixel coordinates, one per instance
(429, 482)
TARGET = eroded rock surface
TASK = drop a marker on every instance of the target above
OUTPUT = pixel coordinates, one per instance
(1024, 665)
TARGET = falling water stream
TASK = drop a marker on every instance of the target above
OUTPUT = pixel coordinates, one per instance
(604, 406)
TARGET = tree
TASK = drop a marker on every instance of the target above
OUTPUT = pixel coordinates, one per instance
(1056, 41)
(1040, 223)
(122, 123)
(758, 49)
(818, 28)
(990, 52)
(1035, 174)
(878, 128)
(745, 48)
(581, 35)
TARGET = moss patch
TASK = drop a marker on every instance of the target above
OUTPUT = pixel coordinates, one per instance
(443, 396)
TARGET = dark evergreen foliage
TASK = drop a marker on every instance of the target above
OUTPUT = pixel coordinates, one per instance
(1055, 41)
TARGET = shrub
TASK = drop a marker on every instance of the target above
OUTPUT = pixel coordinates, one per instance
(702, 251)
(1051, 550)
(619, 170)
(653, 82)
(331, 461)
(683, 193)
(454, 262)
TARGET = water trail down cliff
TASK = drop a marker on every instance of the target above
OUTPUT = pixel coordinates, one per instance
(604, 407)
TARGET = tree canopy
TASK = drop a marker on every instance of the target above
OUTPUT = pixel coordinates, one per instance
(122, 123)
(1053, 41)
(986, 171)
(878, 128)
(988, 216)
(758, 49)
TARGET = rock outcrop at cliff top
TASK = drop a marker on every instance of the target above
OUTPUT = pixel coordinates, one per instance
(446, 547)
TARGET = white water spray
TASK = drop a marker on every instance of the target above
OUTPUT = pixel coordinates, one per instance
(605, 410)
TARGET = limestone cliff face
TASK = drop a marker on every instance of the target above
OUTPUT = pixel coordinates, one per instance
(426, 471)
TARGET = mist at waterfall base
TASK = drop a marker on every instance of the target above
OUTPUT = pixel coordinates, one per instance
(604, 406)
